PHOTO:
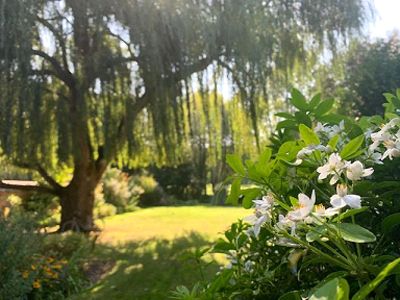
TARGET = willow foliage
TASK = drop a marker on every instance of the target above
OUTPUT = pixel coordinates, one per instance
(124, 55)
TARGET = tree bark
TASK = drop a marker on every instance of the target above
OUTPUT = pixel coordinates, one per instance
(77, 199)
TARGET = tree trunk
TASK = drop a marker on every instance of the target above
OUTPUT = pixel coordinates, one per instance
(77, 199)
(77, 209)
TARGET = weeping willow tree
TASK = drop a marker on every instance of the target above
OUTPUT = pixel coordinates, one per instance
(76, 75)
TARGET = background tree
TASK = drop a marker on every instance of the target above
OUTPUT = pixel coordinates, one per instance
(361, 74)
(75, 75)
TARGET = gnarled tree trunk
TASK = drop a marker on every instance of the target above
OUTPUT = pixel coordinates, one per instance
(77, 199)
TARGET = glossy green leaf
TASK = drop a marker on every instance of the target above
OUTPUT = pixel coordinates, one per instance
(308, 135)
(333, 141)
(316, 233)
(354, 233)
(352, 147)
(285, 115)
(335, 289)
(349, 213)
(249, 196)
(286, 124)
(315, 101)
(234, 192)
(324, 107)
(303, 118)
(265, 156)
(236, 164)
(298, 100)
(331, 118)
(327, 279)
(293, 295)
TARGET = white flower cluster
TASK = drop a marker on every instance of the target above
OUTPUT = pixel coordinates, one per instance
(304, 211)
(336, 166)
(338, 170)
(329, 131)
(389, 137)
(262, 213)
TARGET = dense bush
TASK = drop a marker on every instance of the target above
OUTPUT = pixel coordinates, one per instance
(36, 266)
(150, 193)
(180, 182)
(327, 209)
(18, 244)
(117, 191)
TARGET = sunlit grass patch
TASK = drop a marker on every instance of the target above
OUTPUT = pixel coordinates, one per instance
(154, 250)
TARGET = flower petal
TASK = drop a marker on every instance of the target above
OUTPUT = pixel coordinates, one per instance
(354, 201)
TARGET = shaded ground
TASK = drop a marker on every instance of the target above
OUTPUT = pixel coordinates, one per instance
(154, 250)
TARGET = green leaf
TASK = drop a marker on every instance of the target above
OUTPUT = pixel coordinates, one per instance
(288, 151)
(286, 124)
(249, 196)
(222, 246)
(324, 107)
(352, 147)
(331, 118)
(265, 156)
(235, 162)
(234, 192)
(335, 289)
(327, 279)
(388, 96)
(308, 135)
(373, 284)
(354, 233)
(333, 141)
(293, 201)
(390, 223)
(303, 118)
(293, 295)
(220, 281)
(285, 115)
(315, 101)
(316, 233)
(298, 100)
(348, 213)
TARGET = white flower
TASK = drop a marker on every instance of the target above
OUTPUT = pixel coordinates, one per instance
(341, 199)
(391, 153)
(303, 209)
(336, 129)
(334, 167)
(261, 214)
(392, 150)
(321, 211)
(319, 128)
(257, 221)
(306, 151)
(329, 131)
(265, 203)
(382, 136)
(355, 171)
(373, 157)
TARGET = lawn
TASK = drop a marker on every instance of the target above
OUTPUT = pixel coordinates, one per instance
(154, 250)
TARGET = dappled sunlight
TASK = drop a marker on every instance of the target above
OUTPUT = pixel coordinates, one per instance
(168, 223)
(149, 268)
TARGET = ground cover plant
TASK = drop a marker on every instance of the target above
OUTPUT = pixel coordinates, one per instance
(325, 199)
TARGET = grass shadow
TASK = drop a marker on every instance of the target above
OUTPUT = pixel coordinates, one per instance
(151, 269)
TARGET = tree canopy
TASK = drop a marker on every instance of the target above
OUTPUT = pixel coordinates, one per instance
(76, 75)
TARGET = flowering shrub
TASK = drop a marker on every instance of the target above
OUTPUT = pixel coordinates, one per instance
(326, 205)
(36, 266)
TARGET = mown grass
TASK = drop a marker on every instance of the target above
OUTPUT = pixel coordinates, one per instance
(154, 250)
